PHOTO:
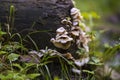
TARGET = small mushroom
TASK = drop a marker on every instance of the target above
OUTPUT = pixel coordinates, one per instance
(78, 63)
(84, 39)
(64, 38)
(81, 62)
(52, 52)
(76, 16)
(61, 30)
(73, 11)
(75, 31)
(66, 22)
(77, 71)
(86, 47)
(33, 52)
(75, 23)
(62, 41)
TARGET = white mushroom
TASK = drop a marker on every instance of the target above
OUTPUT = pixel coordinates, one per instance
(61, 30)
(61, 45)
(62, 41)
(77, 71)
(75, 23)
(73, 11)
(76, 16)
(84, 39)
(86, 47)
(81, 62)
(66, 22)
(64, 38)
(35, 53)
(75, 31)
(52, 52)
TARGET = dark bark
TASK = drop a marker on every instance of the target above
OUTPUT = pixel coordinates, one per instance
(47, 15)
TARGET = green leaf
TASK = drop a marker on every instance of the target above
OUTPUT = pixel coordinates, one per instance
(13, 57)
(2, 77)
(2, 33)
(87, 71)
(3, 52)
(18, 66)
(7, 48)
(93, 63)
(96, 60)
(32, 76)
(56, 78)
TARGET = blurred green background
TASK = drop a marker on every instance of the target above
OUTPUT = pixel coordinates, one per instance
(101, 6)
(103, 17)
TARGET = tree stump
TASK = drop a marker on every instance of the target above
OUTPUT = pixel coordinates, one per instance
(42, 17)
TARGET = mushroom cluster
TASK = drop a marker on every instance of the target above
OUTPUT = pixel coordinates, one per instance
(76, 16)
(74, 32)
(77, 29)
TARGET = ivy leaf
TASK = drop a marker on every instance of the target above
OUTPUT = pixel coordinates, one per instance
(13, 57)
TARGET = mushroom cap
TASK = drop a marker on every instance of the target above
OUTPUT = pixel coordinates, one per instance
(33, 52)
(63, 38)
(77, 71)
(75, 23)
(76, 28)
(52, 40)
(74, 11)
(77, 16)
(61, 45)
(66, 22)
(82, 33)
(81, 62)
(75, 31)
(84, 39)
(62, 41)
(61, 30)
(86, 47)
